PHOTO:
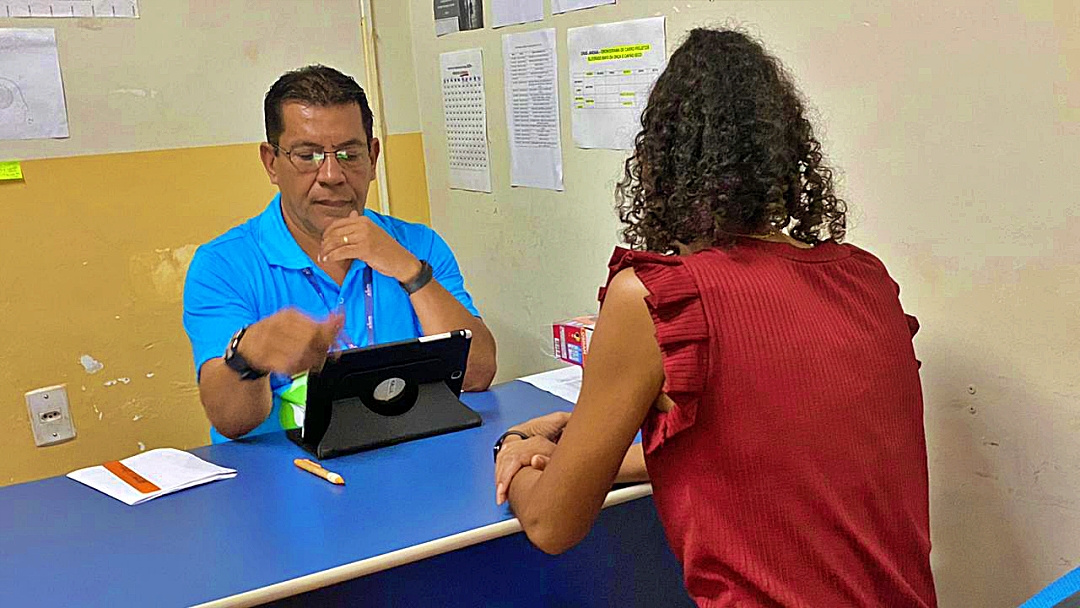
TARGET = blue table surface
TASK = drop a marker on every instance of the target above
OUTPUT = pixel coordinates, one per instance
(1056, 592)
(61, 541)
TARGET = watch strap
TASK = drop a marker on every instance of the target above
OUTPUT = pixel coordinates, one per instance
(502, 438)
(421, 279)
(236, 362)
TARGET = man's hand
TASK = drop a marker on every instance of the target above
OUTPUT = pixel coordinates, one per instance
(356, 237)
(290, 342)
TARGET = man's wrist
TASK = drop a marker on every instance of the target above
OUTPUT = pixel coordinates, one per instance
(411, 271)
(419, 280)
(237, 361)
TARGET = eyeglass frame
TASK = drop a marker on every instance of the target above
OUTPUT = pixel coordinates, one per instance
(325, 154)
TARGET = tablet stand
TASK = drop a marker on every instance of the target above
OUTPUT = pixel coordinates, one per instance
(364, 414)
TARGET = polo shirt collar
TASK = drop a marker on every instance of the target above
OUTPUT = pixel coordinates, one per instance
(275, 240)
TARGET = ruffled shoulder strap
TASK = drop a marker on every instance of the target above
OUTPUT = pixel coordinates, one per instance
(682, 332)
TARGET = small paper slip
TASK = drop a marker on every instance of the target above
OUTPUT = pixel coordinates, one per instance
(564, 383)
(151, 474)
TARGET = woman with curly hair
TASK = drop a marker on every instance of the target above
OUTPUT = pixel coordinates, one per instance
(769, 367)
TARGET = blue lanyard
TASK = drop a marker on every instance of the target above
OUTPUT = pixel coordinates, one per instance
(369, 305)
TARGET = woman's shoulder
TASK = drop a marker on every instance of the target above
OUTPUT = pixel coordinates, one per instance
(656, 271)
(627, 258)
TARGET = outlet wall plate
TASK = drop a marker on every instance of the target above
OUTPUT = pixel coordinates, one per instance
(50, 415)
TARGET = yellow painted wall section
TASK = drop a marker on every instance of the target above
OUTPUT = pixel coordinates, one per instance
(95, 250)
(406, 177)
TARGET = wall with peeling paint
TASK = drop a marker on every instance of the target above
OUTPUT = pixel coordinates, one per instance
(96, 249)
(956, 130)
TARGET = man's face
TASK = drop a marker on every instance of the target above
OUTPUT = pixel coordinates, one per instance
(313, 198)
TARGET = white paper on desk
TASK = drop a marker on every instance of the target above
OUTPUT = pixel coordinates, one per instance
(106, 9)
(512, 12)
(31, 90)
(466, 119)
(563, 6)
(532, 109)
(169, 469)
(564, 383)
(612, 71)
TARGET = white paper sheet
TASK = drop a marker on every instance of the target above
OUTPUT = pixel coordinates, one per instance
(31, 90)
(612, 70)
(564, 383)
(466, 119)
(169, 469)
(512, 12)
(563, 6)
(128, 9)
(532, 109)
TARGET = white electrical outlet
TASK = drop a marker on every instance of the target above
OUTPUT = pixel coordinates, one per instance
(50, 415)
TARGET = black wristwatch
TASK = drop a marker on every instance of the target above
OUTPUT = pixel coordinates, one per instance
(502, 438)
(237, 362)
(421, 279)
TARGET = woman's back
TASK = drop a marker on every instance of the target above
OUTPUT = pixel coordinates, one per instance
(792, 469)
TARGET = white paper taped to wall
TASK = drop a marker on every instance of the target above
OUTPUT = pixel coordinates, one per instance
(31, 90)
(512, 12)
(103, 9)
(612, 70)
(532, 109)
(563, 6)
(466, 119)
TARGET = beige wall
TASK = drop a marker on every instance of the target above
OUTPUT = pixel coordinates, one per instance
(394, 53)
(404, 149)
(955, 128)
(186, 73)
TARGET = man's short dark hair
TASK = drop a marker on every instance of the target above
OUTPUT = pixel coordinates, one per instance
(315, 85)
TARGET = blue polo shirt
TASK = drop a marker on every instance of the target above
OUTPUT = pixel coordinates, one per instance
(257, 269)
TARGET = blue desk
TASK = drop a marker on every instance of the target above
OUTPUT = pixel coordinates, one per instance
(1062, 593)
(416, 525)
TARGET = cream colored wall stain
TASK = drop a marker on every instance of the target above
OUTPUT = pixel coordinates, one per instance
(165, 269)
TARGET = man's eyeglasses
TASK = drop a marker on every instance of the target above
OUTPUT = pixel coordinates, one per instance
(310, 160)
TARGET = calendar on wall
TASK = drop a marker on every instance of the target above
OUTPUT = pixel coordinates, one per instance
(466, 119)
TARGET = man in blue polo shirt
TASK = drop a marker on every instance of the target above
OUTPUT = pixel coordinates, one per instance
(316, 271)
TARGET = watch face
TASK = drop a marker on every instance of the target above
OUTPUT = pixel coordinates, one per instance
(233, 343)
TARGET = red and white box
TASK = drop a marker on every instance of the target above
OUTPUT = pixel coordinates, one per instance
(572, 337)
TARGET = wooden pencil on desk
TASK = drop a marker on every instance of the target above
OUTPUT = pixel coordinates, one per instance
(315, 469)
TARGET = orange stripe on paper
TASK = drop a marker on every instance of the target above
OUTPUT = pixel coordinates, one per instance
(130, 477)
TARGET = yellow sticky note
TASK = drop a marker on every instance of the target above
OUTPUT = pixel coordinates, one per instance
(10, 170)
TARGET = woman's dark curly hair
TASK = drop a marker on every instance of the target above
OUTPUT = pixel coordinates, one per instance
(724, 150)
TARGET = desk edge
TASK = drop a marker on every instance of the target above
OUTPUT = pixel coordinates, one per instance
(371, 565)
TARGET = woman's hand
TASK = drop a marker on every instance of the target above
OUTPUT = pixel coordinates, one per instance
(516, 454)
(543, 433)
